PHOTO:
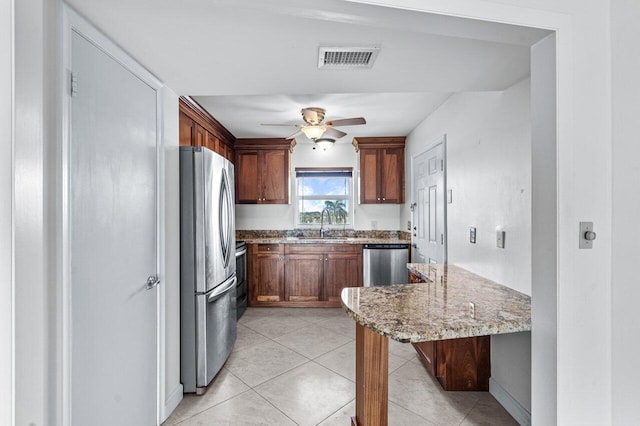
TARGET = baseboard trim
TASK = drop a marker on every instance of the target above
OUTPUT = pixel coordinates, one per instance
(512, 406)
(172, 402)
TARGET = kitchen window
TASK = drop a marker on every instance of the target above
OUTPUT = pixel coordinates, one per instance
(318, 189)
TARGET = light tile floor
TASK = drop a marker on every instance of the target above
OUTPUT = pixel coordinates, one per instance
(296, 366)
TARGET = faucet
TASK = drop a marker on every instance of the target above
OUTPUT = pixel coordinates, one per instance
(322, 230)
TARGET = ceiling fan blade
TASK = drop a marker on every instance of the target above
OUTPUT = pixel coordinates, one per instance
(330, 131)
(286, 125)
(293, 136)
(347, 122)
(312, 115)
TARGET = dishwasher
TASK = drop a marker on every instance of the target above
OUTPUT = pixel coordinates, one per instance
(385, 264)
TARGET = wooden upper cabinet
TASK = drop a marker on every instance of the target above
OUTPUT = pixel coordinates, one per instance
(199, 128)
(247, 182)
(274, 174)
(392, 182)
(369, 176)
(262, 171)
(381, 169)
(187, 130)
(201, 137)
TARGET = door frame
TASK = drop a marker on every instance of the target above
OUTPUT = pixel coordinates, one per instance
(441, 140)
(73, 22)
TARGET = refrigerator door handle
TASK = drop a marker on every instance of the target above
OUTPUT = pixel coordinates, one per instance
(222, 289)
(152, 281)
(224, 219)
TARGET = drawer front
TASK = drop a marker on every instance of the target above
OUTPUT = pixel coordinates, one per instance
(269, 248)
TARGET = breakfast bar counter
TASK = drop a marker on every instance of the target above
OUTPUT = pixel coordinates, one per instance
(453, 303)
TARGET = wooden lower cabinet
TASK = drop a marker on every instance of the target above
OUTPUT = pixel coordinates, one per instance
(265, 273)
(304, 278)
(341, 270)
(312, 275)
(459, 364)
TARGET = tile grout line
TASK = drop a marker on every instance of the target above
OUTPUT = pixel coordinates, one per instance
(270, 403)
(341, 408)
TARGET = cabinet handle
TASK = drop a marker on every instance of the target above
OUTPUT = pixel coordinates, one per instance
(378, 198)
(384, 199)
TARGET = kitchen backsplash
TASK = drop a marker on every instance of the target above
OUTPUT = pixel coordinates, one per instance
(242, 234)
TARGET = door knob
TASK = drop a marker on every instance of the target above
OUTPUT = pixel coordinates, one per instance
(152, 281)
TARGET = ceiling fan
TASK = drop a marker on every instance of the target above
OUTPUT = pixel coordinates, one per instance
(318, 131)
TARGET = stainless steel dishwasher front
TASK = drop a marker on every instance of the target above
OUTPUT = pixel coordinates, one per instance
(385, 264)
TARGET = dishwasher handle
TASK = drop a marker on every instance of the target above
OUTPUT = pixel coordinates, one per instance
(386, 246)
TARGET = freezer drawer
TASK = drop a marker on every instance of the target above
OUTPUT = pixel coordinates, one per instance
(207, 342)
(384, 264)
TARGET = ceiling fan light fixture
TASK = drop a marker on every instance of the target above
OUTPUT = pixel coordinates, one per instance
(312, 131)
(324, 143)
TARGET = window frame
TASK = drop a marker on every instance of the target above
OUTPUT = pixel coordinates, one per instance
(350, 198)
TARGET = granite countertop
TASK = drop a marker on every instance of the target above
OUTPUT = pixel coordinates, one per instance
(439, 309)
(326, 240)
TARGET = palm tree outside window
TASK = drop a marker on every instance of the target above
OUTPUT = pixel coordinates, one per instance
(319, 189)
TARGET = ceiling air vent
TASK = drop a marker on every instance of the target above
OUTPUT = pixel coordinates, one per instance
(347, 57)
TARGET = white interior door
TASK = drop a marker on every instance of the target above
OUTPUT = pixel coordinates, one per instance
(429, 233)
(113, 192)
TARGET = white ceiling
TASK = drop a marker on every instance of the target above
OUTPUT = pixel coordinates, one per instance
(255, 61)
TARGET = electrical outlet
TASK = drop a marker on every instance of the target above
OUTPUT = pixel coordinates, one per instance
(409, 225)
(374, 224)
(472, 235)
(472, 310)
(500, 235)
(449, 196)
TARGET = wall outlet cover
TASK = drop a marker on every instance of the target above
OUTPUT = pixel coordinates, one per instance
(472, 235)
(500, 236)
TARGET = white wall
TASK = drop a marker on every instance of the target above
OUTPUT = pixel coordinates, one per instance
(625, 15)
(171, 280)
(278, 216)
(489, 171)
(544, 205)
(6, 191)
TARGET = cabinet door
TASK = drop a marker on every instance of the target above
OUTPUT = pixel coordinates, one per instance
(369, 176)
(341, 270)
(392, 182)
(267, 277)
(247, 182)
(200, 136)
(274, 176)
(229, 151)
(221, 148)
(210, 141)
(304, 277)
(187, 130)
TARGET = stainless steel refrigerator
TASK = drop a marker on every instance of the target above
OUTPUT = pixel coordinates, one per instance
(207, 266)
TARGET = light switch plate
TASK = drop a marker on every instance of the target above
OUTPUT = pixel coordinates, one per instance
(472, 235)
(500, 239)
(583, 242)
